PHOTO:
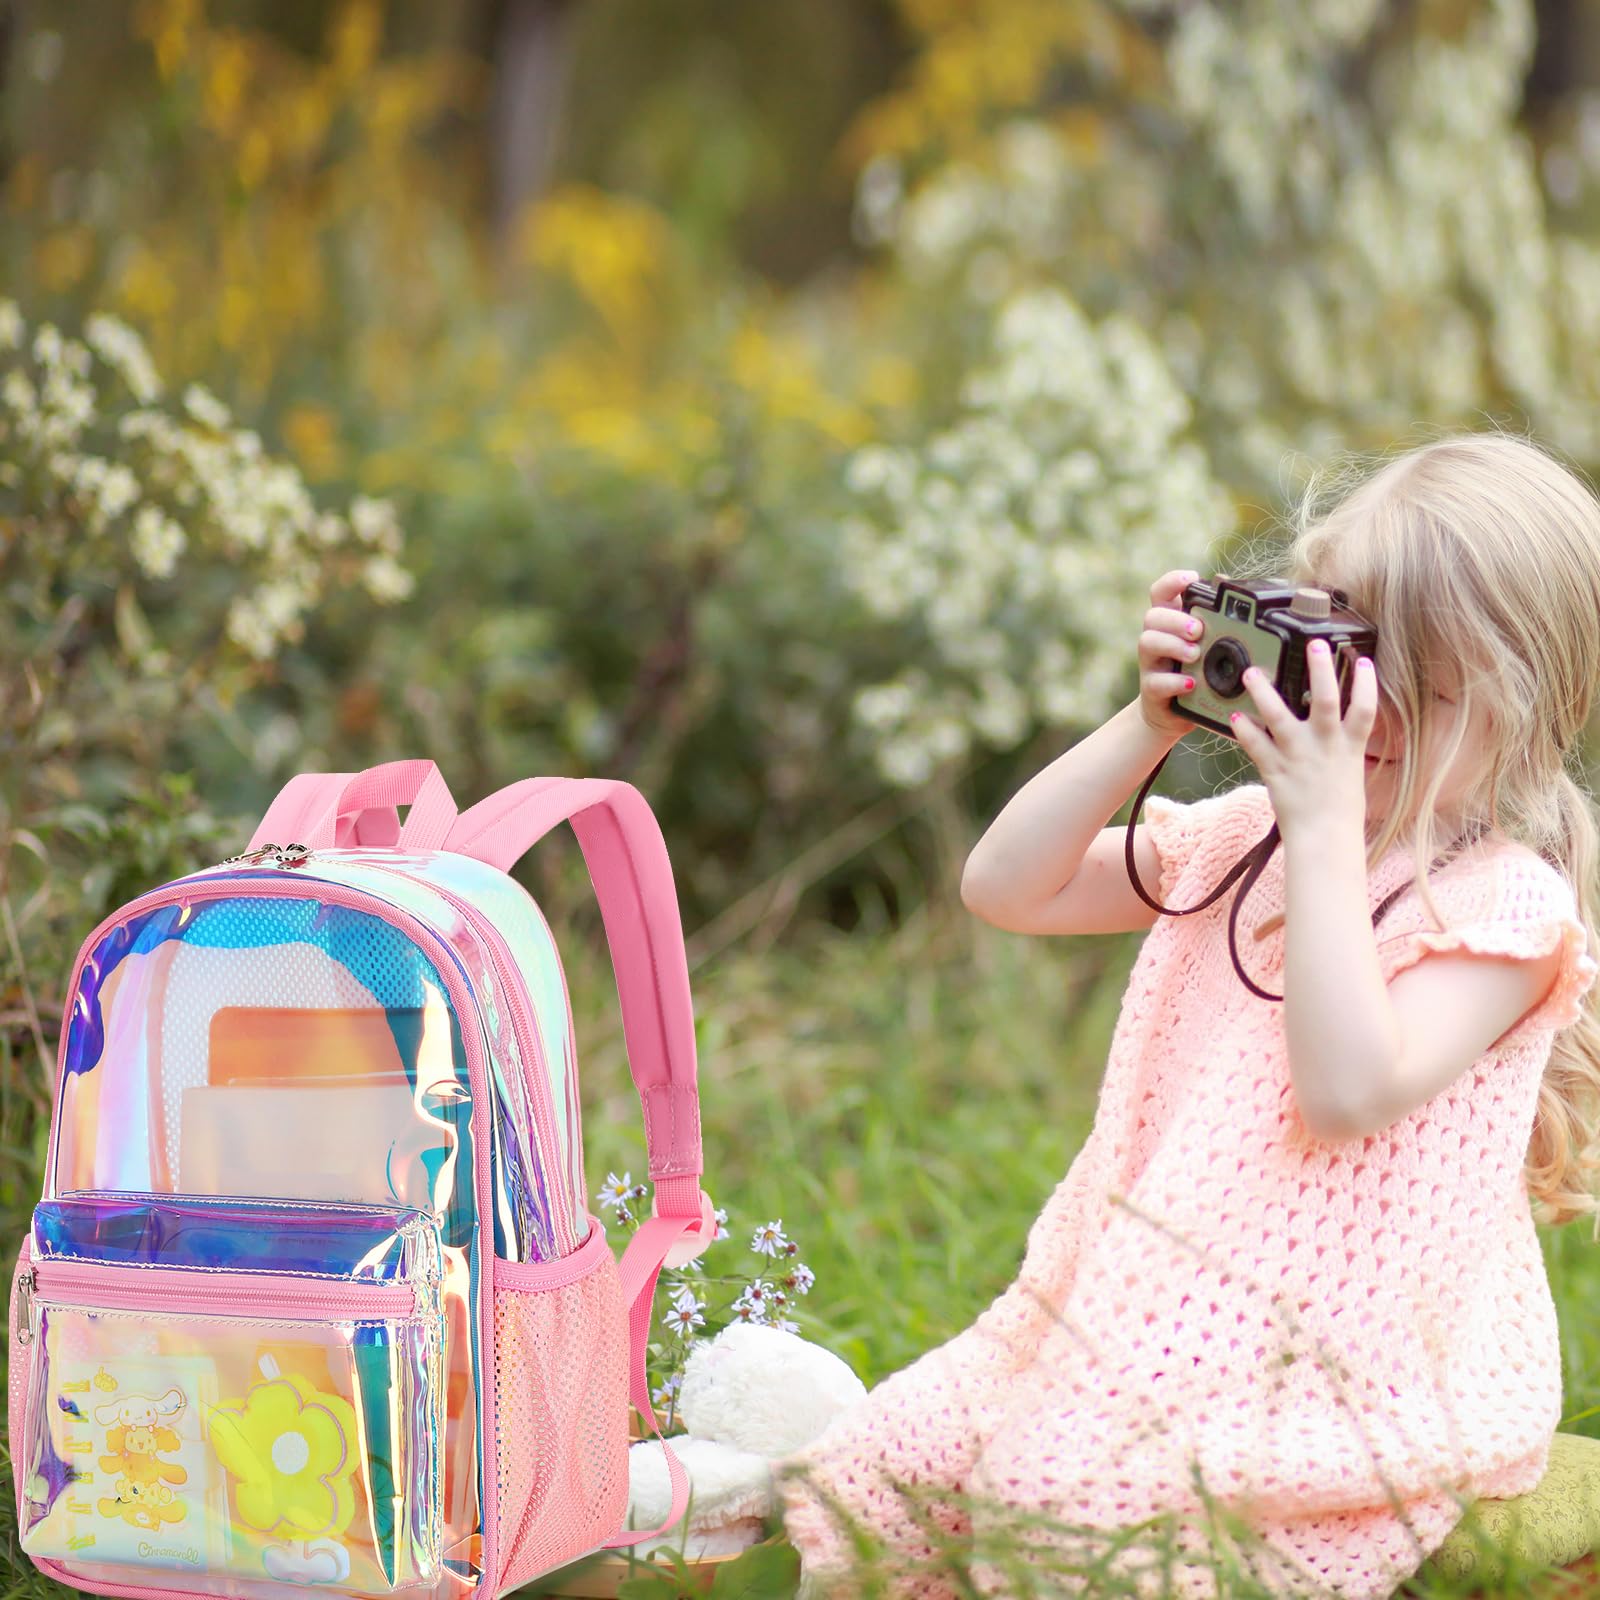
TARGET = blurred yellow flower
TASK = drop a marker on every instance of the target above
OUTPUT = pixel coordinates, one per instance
(145, 290)
(612, 248)
(169, 26)
(62, 258)
(355, 35)
(312, 434)
(779, 372)
(227, 74)
(977, 57)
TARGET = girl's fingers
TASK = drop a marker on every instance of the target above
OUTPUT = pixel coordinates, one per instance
(1363, 699)
(1173, 619)
(1324, 686)
(1269, 703)
(1170, 585)
(1157, 646)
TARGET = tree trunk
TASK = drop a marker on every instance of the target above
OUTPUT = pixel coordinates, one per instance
(532, 53)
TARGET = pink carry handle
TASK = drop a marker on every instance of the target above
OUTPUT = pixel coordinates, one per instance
(632, 877)
(323, 810)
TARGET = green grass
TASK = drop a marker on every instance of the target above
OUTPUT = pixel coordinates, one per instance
(904, 1101)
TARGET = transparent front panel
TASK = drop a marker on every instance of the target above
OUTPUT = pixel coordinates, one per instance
(265, 1046)
(507, 907)
(271, 1450)
(265, 1079)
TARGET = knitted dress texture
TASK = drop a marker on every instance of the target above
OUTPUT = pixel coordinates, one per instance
(1213, 1290)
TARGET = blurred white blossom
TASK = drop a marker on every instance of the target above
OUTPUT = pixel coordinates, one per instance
(1014, 540)
(1327, 224)
(205, 408)
(141, 489)
(386, 579)
(158, 541)
(122, 349)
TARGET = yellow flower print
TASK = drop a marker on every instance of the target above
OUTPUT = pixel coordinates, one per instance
(288, 1444)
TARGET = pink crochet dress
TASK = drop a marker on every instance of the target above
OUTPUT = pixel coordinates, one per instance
(1210, 1287)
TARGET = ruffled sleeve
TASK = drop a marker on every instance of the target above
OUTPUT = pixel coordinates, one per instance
(1509, 903)
(1197, 841)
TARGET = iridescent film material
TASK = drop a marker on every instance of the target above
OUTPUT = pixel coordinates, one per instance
(223, 1046)
(373, 1244)
(257, 1089)
(264, 1445)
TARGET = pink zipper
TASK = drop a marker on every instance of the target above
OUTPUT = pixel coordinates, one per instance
(195, 1291)
(267, 881)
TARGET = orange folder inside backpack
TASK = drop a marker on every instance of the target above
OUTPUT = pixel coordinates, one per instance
(274, 1044)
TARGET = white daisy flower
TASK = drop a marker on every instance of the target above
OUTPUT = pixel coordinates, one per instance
(769, 1239)
(683, 1319)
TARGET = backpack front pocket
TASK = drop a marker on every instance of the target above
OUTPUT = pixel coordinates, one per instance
(275, 1426)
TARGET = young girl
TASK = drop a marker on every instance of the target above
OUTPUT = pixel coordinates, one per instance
(1293, 1270)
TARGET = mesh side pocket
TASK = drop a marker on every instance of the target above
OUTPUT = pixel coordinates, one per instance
(561, 1397)
(16, 1374)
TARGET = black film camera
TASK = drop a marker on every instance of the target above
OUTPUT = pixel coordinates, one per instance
(1268, 624)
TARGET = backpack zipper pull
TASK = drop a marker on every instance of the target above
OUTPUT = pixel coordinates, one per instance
(25, 1287)
(249, 855)
(283, 855)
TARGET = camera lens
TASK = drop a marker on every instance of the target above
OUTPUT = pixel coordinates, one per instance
(1224, 667)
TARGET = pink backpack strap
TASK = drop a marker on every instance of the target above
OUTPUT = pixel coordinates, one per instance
(641, 1263)
(632, 876)
(322, 810)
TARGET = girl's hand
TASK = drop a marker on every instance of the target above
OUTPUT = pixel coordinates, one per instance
(1167, 639)
(1315, 769)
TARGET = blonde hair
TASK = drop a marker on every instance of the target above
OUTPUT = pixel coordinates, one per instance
(1476, 556)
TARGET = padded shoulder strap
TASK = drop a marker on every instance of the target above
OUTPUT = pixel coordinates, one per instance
(632, 877)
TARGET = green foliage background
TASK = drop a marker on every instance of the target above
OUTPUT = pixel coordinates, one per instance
(802, 452)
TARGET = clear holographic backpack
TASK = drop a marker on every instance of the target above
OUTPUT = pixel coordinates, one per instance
(312, 1296)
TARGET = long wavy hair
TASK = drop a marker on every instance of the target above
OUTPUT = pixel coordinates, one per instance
(1477, 558)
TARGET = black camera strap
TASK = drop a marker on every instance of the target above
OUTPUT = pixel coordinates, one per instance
(1252, 864)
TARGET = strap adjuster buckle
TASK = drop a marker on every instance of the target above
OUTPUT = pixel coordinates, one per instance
(693, 1243)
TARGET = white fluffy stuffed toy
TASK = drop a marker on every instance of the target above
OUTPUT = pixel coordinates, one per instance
(750, 1395)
